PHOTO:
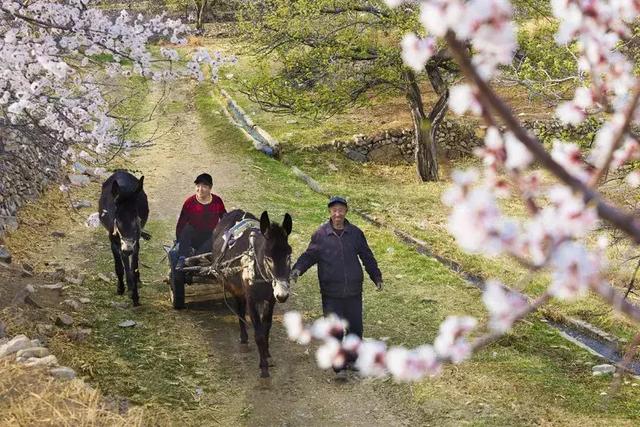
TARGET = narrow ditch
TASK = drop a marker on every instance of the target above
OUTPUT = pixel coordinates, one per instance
(578, 332)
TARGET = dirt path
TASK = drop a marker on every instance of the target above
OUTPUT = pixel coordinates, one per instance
(298, 392)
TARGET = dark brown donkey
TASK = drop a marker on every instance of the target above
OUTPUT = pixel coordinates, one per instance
(124, 212)
(262, 258)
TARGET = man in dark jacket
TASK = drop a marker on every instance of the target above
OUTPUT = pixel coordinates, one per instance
(336, 246)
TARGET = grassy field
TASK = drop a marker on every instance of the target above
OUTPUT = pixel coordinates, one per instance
(393, 193)
(170, 364)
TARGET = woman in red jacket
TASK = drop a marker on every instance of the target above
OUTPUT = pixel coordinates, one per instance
(199, 216)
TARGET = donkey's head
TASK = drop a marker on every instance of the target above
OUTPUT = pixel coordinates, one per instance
(277, 253)
(126, 224)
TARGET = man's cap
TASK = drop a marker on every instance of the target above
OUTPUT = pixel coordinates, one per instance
(337, 199)
(204, 178)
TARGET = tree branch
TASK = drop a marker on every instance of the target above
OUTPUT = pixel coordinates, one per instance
(622, 220)
(619, 136)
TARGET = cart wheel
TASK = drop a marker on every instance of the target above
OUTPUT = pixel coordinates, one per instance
(177, 290)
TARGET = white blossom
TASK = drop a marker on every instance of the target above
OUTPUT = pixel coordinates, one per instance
(371, 358)
(451, 341)
(417, 51)
(574, 270)
(518, 156)
(503, 305)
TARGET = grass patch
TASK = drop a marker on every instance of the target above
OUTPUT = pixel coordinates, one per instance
(419, 294)
(532, 376)
(394, 195)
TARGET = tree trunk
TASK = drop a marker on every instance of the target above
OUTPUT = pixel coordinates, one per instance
(201, 5)
(425, 127)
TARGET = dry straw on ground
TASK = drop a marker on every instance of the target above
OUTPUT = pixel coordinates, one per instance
(30, 397)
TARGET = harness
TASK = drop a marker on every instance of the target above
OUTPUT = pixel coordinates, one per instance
(252, 270)
(248, 260)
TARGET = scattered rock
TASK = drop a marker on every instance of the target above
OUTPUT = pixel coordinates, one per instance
(5, 256)
(292, 121)
(121, 305)
(10, 224)
(81, 204)
(78, 280)
(33, 352)
(127, 324)
(199, 392)
(56, 275)
(79, 334)
(44, 329)
(79, 180)
(58, 234)
(64, 320)
(54, 287)
(333, 167)
(63, 372)
(23, 296)
(79, 168)
(356, 156)
(75, 305)
(16, 344)
(36, 343)
(84, 300)
(104, 278)
(604, 369)
(50, 360)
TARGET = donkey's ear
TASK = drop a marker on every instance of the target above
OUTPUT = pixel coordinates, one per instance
(115, 189)
(264, 223)
(140, 184)
(287, 224)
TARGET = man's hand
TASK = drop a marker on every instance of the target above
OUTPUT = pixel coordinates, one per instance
(293, 276)
(379, 285)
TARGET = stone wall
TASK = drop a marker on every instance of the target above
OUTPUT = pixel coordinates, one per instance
(455, 140)
(26, 170)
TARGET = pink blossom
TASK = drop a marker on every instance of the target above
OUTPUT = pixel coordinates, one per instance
(417, 51)
(438, 16)
(394, 3)
(503, 305)
(351, 343)
(630, 150)
(330, 326)
(292, 321)
(330, 354)
(371, 358)
(451, 341)
(518, 156)
(463, 180)
(574, 271)
(493, 153)
(570, 113)
(569, 214)
(633, 179)
(569, 156)
(462, 99)
(477, 223)
(412, 365)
